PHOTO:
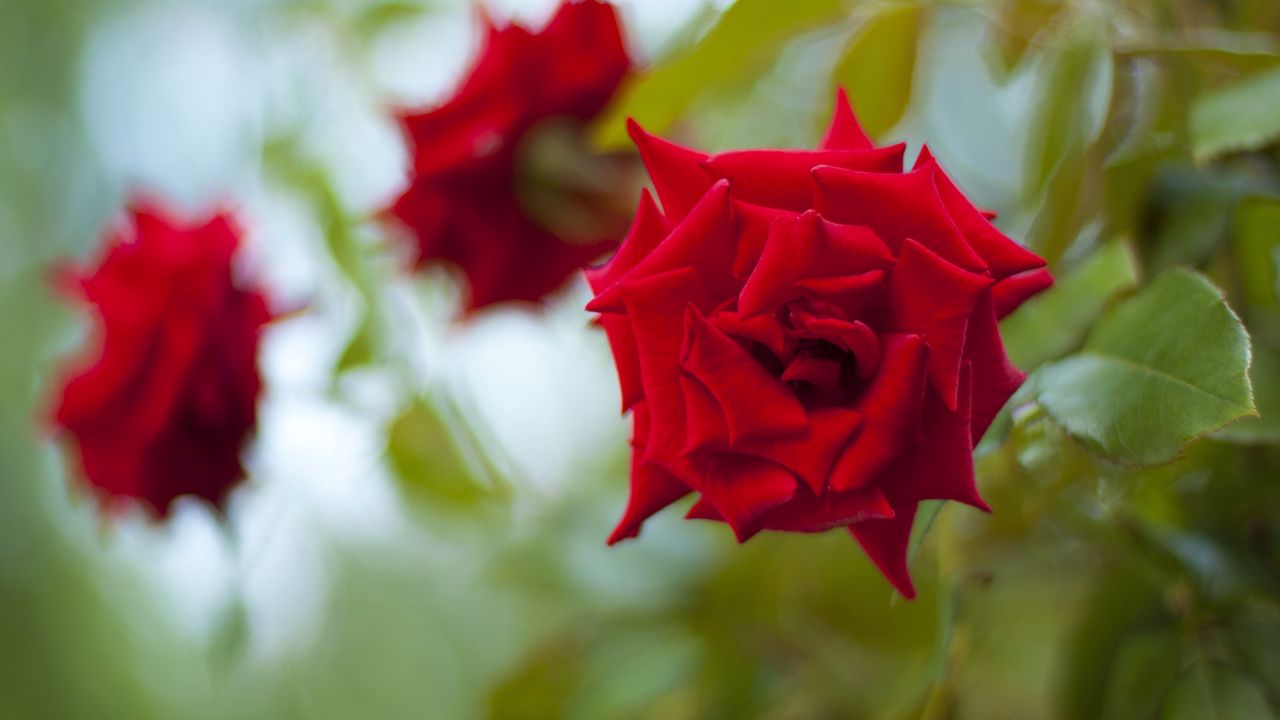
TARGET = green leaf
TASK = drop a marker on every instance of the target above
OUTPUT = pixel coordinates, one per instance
(1256, 233)
(1069, 108)
(744, 41)
(427, 457)
(1053, 323)
(1244, 115)
(1164, 367)
(1265, 428)
(1143, 669)
(1214, 692)
(877, 66)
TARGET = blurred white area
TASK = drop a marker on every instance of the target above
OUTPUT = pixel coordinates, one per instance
(180, 99)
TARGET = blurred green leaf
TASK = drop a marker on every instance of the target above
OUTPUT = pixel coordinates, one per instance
(745, 40)
(1214, 692)
(1054, 322)
(359, 349)
(1059, 165)
(1164, 367)
(926, 516)
(427, 457)
(877, 66)
(1073, 75)
(1257, 234)
(1190, 212)
(1142, 670)
(1243, 115)
(230, 636)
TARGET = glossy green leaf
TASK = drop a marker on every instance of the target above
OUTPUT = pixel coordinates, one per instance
(735, 50)
(876, 68)
(1244, 115)
(1265, 428)
(1215, 692)
(1054, 322)
(1164, 367)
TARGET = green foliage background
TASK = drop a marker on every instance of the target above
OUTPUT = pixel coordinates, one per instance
(1131, 566)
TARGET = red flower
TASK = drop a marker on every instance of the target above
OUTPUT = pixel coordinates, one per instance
(464, 203)
(165, 399)
(808, 339)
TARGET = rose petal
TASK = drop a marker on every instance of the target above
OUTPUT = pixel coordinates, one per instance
(930, 297)
(1002, 255)
(885, 542)
(809, 513)
(781, 178)
(652, 489)
(755, 404)
(895, 207)
(994, 376)
(891, 407)
(676, 171)
(742, 489)
(844, 133)
(1014, 290)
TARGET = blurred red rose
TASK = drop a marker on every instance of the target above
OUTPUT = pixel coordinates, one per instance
(465, 203)
(808, 339)
(165, 397)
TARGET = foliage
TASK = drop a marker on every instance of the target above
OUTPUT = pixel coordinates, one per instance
(1128, 568)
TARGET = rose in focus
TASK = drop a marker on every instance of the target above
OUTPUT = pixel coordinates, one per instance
(807, 340)
(468, 199)
(164, 398)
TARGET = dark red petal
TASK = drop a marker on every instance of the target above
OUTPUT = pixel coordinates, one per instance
(886, 542)
(702, 241)
(844, 133)
(854, 337)
(896, 207)
(705, 426)
(816, 513)
(704, 510)
(764, 329)
(742, 489)
(569, 86)
(808, 248)
(652, 489)
(1014, 290)
(930, 297)
(994, 376)
(818, 372)
(891, 409)
(810, 456)
(676, 171)
(941, 466)
(648, 229)
(782, 178)
(755, 404)
(1002, 255)
(656, 305)
(623, 346)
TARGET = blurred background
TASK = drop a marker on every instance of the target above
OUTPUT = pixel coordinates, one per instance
(422, 533)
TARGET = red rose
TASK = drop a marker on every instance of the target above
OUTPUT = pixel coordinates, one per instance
(166, 397)
(808, 339)
(463, 204)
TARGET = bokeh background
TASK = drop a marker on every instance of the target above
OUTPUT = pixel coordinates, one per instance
(422, 534)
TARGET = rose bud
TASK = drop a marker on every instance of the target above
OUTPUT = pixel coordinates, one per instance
(503, 186)
(807, 340)
(164, 398)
